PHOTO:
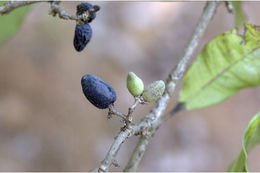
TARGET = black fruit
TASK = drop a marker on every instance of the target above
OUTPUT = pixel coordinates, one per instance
(91, 17)
(97, 91)
(83, 34)
(86, 7)
(83, 7)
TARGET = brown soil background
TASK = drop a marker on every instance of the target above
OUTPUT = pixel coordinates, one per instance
(46, 124)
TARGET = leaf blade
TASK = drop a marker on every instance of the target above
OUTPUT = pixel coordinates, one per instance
(226, 65)
(250, 139)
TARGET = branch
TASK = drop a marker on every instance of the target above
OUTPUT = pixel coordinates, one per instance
(54, 9)
(112, 111)
(110, 157)
(145, 139)
(229, 6)
(126, 118)
(153, 120)
(174, 76)
(11, 5)
(179, 107)
(129, 116)
(124, 133)
(136, 157)
(128, 130)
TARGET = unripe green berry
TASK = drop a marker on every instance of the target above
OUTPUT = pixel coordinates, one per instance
(153, 91)
(134, 84)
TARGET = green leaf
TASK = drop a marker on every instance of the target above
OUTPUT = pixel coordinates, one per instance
(11, 22)
(250, 139)
(226, 65)
(240, 16)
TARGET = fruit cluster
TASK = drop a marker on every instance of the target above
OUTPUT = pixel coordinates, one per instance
(102, 94)
(98, 92)
(150, 93)
(86, 13)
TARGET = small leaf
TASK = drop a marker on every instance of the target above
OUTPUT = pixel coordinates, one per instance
(240, 16)
(250, 139)
(134, 84)
(226, 65)
(11, 22)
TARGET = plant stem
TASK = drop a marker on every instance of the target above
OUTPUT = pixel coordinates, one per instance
(132, 108)
(11, 5)
(112, 111)
(110, 157)
(229, 6)
(54, 8)
(174, 76)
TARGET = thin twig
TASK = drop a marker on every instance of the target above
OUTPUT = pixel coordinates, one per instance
(80, 19)
(127, 118)
(11, 5)
(229, 6)
(113, 111)
(145, 139)
(179, 107)
(125, 132)
(138, 151)
(174, 76)
(54, 9)
(110, 157)
(128, 130)
(154, 117)
(132, 108)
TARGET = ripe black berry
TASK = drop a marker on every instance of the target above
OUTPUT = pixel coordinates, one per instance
(97, 91)
(83, 7)
(82, 36)
(91, 17)
(87, 8)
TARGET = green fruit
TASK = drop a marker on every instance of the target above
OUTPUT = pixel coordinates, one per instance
(153, 91)
(134, 84)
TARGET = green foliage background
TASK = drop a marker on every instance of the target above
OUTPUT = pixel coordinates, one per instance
(251, 138)
(11, 22)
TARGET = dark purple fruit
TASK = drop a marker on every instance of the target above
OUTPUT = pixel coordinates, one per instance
(97, 91)
(83, 7)
(83, 34)
(91, 17)
(87, 7)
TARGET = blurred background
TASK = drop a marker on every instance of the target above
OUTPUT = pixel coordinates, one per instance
(46, 124)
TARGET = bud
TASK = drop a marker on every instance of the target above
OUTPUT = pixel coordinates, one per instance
(97, 91)
(153, 91)
(134, 84)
